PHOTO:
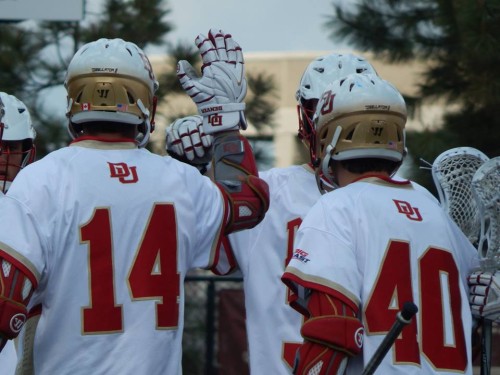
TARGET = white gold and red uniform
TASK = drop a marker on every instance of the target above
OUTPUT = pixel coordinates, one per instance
(8, 355)
(8, 358)
(108, 272)
(378, 243)
(273, 328)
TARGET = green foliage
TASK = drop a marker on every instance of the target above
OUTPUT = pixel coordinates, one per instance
(34, 57)
(17, 65)
(260, 108)
(458, 40)
(138, 21)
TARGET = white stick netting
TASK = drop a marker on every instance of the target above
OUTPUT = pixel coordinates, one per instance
(486, 190)
(452, 172)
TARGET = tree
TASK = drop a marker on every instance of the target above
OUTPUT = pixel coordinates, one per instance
(34, 57)
(459, 40)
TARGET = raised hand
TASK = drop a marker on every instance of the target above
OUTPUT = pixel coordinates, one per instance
(220, 90)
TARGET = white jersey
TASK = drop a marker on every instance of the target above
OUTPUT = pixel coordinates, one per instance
(381, 243)
(273, 327)
(8, 356)
(107, 232)
(8, 359)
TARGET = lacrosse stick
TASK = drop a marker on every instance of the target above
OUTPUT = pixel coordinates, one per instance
(452, 172)
(403, 318)
(2, 110)
(485, 188)
(2, 113)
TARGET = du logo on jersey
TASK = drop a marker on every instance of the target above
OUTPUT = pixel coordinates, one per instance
(124, 173)
(407, 209)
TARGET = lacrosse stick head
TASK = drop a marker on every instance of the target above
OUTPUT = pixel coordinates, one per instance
(452, 172)
(485, 187)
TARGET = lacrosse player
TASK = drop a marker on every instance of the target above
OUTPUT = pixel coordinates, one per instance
(101, 233)
(16, 151)
(273, 328)
(371, 245)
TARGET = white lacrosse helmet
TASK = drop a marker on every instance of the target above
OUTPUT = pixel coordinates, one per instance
(318, 74)
(111, 80)
(360, 116)
(15, 126)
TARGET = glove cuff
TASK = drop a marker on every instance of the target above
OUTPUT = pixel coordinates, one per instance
(223, 117)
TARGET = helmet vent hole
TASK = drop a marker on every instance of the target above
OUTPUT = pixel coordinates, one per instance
(349, 136)
(130, 52)
(351, 86)
(79, 98)
(130, 98)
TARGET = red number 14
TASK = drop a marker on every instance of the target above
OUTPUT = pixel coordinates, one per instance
(153, 274)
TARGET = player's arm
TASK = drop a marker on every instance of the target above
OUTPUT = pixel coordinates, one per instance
(219, 95)
(16, 289)
(332, 334)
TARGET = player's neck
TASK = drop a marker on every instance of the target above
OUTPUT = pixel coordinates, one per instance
(345, 177)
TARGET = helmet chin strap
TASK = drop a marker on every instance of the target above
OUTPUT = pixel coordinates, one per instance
(144, 140)
(325, 163)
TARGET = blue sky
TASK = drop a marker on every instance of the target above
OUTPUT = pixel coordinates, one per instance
(257, 25)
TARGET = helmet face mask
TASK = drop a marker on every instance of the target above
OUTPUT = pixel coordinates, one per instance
(319, 73)
(17, 139)
(359, 117)
(111, 80)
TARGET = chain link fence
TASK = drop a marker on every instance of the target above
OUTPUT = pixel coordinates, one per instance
(204, 308)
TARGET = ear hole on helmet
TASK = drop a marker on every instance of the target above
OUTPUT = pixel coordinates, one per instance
(131, 99)
(349, 136)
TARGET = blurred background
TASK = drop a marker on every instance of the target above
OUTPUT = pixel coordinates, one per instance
(443, 56)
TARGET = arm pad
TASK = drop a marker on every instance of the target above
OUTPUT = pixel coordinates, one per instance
(12, 317)
(15, 292)
(337, 332)
(332, 334)
(235, 172)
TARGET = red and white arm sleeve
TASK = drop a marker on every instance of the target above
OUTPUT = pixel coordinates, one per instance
(332, 334)
(235, 172)
(16, 288)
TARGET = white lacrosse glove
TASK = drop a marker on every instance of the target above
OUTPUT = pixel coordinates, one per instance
(187, 141)
(484, 297)
(220, 91)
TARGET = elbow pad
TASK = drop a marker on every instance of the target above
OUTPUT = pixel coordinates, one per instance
(235, 172)
(331, 335)
(15, 292)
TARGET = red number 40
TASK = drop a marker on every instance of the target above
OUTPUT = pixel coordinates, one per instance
(442, 336)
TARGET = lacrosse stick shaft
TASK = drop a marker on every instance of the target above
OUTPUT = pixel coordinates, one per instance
(403, 318)
(486, 347)
(485, 190)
